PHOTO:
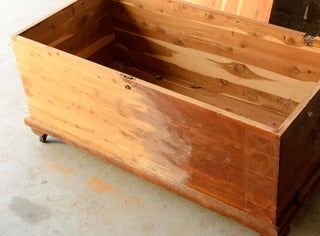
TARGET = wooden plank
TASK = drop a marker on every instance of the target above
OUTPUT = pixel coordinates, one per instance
(93, 32)
(96, 46)
(208, 64)
(223, 38)
(254, 9)
(64, 24)
(246, 26)
(245, 109)
(105, 56)
(151, 129)
(146, 52)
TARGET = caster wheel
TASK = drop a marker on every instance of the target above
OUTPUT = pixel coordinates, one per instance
(43, 138)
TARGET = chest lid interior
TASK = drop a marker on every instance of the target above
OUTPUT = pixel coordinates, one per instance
(300, 15)
(259, 10)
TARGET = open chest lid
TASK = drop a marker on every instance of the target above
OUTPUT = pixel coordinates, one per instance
(300, 15)
(255, 9)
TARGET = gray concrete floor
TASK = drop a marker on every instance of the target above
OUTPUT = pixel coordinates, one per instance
(55, 189)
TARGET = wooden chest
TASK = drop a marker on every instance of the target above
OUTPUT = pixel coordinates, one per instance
(220, 109)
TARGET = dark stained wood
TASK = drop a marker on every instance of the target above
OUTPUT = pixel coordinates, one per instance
(299, 155)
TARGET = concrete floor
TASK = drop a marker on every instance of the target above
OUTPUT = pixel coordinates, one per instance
(54, 189)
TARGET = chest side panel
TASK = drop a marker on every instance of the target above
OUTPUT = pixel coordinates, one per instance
(163, 136)
(299, 159)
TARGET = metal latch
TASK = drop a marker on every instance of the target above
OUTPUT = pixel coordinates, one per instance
(308, 40)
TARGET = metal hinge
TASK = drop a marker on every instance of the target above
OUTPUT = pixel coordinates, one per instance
(308, 39)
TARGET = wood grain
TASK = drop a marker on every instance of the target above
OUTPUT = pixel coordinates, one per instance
(82, 28)
(254, 9)
(189, 193)
(155, 131)
(222, 75)
(211, 65)
(223, 38)
(217, 108)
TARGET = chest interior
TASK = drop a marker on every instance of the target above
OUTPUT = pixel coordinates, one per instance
(212, 63)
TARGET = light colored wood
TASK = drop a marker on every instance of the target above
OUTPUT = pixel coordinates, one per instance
(143, 112)
(219, 19)
(235, 95)
(229, 70)
(233, 104)
(38, 132)
(215, 107)
(223, 41)
(218, 92)
(255, 9)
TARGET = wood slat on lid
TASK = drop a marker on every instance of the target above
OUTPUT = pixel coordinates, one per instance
(255, 9)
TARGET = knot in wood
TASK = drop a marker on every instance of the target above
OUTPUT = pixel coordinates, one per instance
(239, 68)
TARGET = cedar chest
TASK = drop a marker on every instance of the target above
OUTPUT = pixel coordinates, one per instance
(220, 109)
